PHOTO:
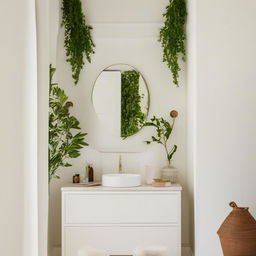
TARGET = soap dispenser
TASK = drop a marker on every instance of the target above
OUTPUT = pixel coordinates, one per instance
(90, 173)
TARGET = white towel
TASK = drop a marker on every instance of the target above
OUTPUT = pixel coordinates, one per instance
(150, 251)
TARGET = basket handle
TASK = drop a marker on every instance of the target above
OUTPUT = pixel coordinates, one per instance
(233, 204)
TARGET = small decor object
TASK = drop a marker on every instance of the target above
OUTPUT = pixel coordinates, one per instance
(76, 178)
(151, 173)
(170, 172)
(78, 41)
(161, 183)
(64, 143)
(90, 184)
(238, 232)
(163, 132)
(173, 36)
(85, 180)
(90, 173)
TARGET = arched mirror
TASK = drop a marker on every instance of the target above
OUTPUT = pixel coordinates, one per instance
(121, 100)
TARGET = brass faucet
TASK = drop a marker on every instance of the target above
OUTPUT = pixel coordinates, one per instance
(120, 164)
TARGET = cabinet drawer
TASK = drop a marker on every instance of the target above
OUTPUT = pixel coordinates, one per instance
(120, 240)
(118, 208)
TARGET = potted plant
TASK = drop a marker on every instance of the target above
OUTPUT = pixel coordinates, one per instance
(163, 132)
(64, 141)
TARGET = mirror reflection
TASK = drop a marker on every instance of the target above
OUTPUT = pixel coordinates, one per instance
(121, 100)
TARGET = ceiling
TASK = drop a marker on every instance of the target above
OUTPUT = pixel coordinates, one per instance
(124, 11)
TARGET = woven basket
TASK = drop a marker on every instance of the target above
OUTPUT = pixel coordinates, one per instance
(238, 233)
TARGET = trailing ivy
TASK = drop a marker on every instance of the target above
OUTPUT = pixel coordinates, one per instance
(63, 142)
(78, 41)
(132, 118)
(173, 36)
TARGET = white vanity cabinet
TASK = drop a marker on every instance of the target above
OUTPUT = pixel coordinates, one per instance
(117, 221)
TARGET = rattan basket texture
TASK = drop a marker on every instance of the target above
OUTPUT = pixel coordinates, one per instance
(238, 233)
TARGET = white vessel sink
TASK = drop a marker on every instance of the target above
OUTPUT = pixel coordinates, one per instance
(121, 180)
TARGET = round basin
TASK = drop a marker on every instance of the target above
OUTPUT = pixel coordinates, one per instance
(121, 180)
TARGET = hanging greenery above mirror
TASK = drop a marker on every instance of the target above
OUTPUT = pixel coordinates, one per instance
(132, 117)
(78, 41)
(173, 36)
(64, 143)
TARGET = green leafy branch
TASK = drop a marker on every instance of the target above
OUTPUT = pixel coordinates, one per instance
(173, 36)
(63, 143)
(163, 132)
(78, 41)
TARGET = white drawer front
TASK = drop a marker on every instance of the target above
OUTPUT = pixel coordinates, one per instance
(120, 240)
(118, 208)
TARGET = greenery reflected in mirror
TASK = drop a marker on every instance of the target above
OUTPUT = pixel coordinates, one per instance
(121, 100)
(132, 117)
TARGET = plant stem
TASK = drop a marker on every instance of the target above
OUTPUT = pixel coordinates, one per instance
(166, 150)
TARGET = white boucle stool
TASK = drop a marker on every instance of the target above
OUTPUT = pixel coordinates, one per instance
(151, 251)
(86, 251)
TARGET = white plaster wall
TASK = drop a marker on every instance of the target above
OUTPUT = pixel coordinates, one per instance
(123, 41)
(18, 131)
(11, 213)
(225, 115)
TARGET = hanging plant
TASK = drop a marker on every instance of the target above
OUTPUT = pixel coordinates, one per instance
(64, 143)
(78, 41)
(132, 117)
(173, 35)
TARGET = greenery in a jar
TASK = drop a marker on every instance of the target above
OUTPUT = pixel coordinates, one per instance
(78, 41)
(163, 132)
(173, 36)
(64, 142)
(132, 117)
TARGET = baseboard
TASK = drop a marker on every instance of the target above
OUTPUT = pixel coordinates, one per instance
(186, 251)
(56, 251)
